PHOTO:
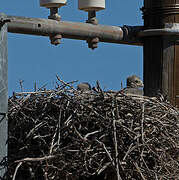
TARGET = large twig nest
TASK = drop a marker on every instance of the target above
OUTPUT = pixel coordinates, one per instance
(65, 133)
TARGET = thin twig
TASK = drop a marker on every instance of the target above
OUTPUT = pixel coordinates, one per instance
(142, 122)
(15, 173)
(37, 159)
(116, 149)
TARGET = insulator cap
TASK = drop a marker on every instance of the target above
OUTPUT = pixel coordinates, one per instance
(52, 3)
(91, 5)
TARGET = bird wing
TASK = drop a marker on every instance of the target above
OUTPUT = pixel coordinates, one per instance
(135, 91)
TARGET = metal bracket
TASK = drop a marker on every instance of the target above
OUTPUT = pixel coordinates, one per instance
(170, 29)
(3, 21)
(131, 31)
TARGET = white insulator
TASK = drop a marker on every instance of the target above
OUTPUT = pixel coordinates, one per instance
(91, 5)
(52, 3)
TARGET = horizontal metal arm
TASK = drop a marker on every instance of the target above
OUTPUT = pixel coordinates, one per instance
(159, 32)
(131, 35)
(170, 29)
(74, 30)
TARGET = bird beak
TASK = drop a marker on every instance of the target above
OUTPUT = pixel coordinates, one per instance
(140, 84)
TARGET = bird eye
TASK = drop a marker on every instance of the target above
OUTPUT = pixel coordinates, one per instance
(136, 81)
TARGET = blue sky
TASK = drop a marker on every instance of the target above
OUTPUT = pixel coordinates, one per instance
(34, 59)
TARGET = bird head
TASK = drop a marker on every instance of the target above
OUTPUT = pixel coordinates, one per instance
(134, 82)
(84, 86)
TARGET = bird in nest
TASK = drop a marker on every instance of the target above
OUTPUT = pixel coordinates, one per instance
(134, 85)
(84, 86)
(84, 92)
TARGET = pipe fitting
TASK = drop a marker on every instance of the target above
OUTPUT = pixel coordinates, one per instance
(56, 39)
(92, 18)
(93, 43)
(54, 14)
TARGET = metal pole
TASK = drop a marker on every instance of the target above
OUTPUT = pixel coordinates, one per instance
(3, 94)
(161, 53)
(74, 30)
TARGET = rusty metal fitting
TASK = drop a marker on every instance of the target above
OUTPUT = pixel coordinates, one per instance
(92, 43)
(93, 21)
(55, 39)
(92, 18)
(54, 14)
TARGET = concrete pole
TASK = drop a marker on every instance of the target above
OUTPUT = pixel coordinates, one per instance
(3, 94)
(161, 53)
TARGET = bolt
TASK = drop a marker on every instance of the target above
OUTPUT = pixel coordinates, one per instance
(93, 21)
(93, 43)
(54, 14)
(56, 39)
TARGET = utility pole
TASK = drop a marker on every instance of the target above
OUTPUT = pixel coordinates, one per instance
(3, 94)
(161, 53)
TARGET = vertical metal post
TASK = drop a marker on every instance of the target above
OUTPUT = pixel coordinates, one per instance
(161, 54)
(3, 93)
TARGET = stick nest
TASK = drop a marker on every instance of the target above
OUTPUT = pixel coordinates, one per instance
(69, 134)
